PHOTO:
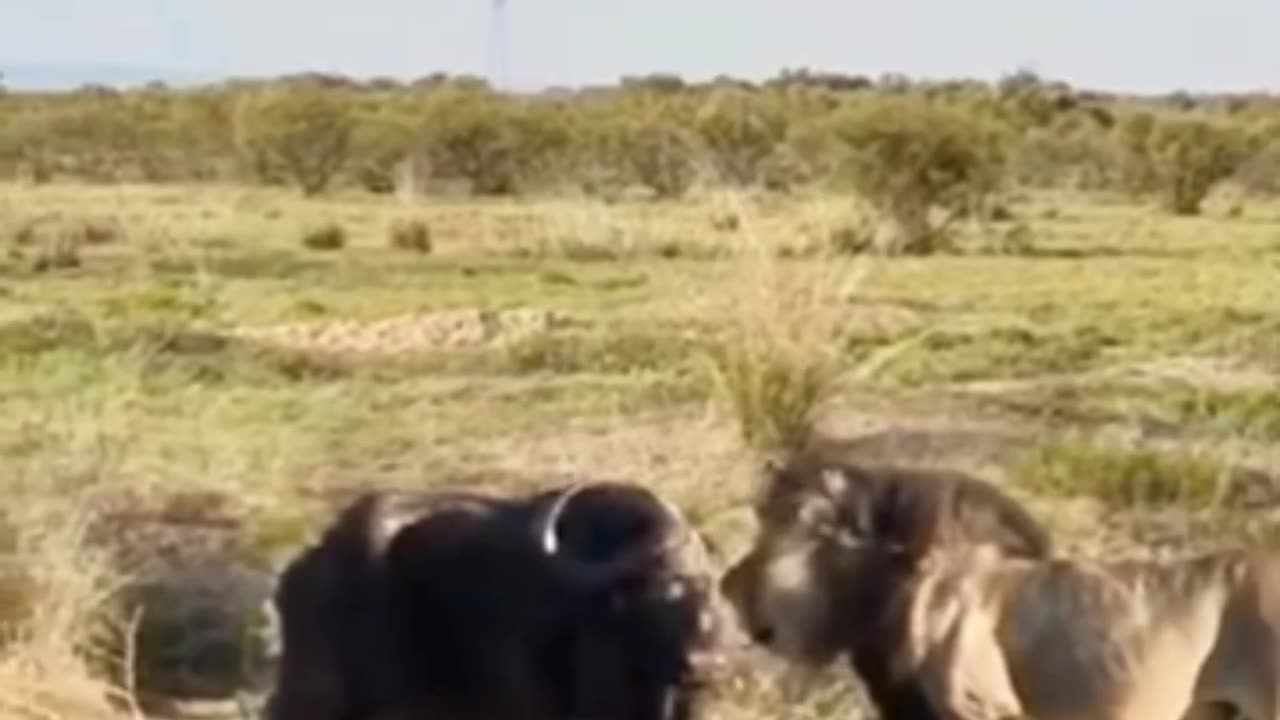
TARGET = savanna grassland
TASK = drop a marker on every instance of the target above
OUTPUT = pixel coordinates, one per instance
(194, 370)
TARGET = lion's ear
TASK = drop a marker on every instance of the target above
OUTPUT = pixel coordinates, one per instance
(816, 513)
(834, 483)
(773, 473)
(770, 468)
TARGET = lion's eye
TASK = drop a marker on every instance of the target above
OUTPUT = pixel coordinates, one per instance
(849, 540)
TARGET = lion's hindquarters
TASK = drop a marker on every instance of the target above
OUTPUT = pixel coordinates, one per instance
(1087, 641)
(1243, 666)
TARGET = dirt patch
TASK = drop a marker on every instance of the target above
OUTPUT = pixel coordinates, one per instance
(408, 332)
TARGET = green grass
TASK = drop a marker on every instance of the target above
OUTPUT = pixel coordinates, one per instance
(1122, 478)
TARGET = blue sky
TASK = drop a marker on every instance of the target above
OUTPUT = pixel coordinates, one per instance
(1142, 45)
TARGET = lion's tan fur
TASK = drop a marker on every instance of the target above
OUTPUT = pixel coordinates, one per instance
(995, 636)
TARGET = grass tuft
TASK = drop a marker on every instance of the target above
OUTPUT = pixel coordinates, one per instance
(329, 236)
(410, 234)
(776, 362)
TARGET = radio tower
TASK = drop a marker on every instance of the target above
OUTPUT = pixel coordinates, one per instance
(496, 62)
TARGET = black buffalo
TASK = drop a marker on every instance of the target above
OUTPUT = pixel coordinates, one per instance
(594, 600)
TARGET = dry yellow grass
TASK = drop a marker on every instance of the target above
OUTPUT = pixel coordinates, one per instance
(63, 653)
(144, 373)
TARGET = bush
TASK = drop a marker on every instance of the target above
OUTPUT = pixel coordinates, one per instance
(301, 132)
(1190, 155)
(410, 234)
(330, 236)
(726, 222)
(492, 141)
(848, 239)
(1132, 138)
(740, 130)
(76, 230)
(1079, 155)
(1260, 174)
(659, 153)
(54, 242)
(910, 155)
(385, 136)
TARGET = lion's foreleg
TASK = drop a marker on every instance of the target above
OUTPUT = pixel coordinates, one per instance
(966, 675)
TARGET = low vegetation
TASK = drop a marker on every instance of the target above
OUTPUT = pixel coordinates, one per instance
(1123, 478)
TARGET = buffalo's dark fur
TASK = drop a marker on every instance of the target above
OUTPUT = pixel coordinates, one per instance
(903, 511)
(446, 605)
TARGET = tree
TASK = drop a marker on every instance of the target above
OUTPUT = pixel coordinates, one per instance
(648, 136)
(908, 156)
(26, 145)
(1133, 137)
(386, 134)
(204, 124)
(740, 130)
(1190, 154)
(302, 130)
(1075, 151)
(494, 142)
(660, 153)
(1260, 173)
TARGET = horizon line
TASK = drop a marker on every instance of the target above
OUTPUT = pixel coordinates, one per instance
(197, 77)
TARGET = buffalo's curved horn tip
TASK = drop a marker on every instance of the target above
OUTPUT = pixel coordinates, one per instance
(548, 533)
(677, 532)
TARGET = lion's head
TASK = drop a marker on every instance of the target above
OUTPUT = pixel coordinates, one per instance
(834, 539)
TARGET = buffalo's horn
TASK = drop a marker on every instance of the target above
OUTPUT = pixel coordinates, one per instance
(662, 539)
(548, 536)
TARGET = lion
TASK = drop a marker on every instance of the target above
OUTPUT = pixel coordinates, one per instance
(994, 636)
(807, 590)
(944, 615)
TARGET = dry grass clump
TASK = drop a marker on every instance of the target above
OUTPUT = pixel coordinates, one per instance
(328, 236)
(82, 230)
(55, 241)
(777, 361)
(61, 644)
(411, 234)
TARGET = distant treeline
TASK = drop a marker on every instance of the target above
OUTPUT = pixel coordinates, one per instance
(657, 132)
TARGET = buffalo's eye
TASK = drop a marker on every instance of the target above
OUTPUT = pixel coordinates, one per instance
(675, 590)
